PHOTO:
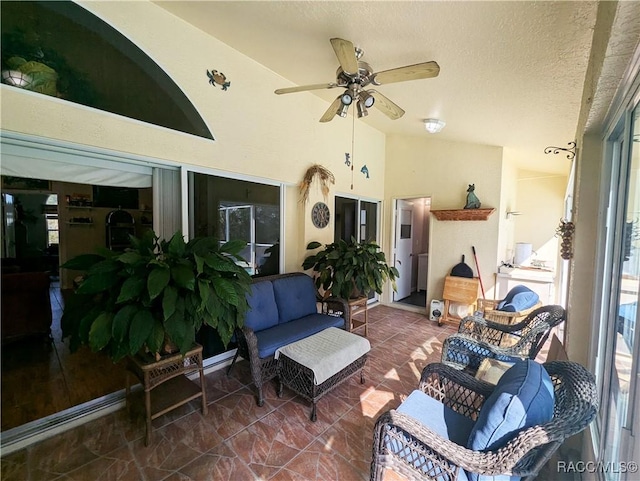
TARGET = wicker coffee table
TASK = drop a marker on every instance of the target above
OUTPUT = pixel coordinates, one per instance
(314, 366)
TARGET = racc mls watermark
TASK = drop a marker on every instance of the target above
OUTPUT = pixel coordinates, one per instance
(612, 467)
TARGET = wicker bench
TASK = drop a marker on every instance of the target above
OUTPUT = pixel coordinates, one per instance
(314, 366)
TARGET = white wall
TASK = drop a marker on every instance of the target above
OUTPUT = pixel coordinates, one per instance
(257, 132)
(427, 167)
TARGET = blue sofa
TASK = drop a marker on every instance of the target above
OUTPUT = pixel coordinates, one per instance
(282, 310)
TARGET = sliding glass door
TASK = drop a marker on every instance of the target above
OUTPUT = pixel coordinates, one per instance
(617, 368)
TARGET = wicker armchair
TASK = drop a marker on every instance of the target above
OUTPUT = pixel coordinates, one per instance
(488, 308)
(478, 338)
(412, 449)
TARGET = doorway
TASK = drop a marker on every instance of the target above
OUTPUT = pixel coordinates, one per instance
(411, 250)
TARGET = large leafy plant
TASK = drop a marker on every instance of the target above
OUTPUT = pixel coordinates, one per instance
(349, 269)
(155, 291)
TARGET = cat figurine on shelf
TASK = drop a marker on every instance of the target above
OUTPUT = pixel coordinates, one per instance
(472, 200)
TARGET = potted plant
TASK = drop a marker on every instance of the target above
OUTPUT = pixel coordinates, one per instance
(350, 269)
(154, 292)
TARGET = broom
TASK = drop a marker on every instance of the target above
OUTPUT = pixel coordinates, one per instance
(475, 258)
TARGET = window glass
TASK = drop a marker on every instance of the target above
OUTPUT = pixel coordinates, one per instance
(231, 209)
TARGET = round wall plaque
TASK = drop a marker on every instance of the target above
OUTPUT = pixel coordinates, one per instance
(320, 215)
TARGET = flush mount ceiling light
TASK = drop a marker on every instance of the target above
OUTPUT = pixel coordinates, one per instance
(433, 126)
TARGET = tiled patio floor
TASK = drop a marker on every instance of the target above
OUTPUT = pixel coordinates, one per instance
(237, 440)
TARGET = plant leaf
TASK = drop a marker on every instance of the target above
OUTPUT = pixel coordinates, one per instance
(122, 320)
(156, 337)
(98, 282)
(157, 281)
(169, 302)
(225, 290)
(82, 262)
(130, 257)
(233, 247)
(177, 245)
(100, 333)
(141, 326)
(131, 289)
(183, 276)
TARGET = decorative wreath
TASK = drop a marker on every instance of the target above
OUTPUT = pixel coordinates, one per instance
(326, 178)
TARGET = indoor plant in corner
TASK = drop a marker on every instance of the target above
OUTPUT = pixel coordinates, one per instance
(350, 269)
(154, 292)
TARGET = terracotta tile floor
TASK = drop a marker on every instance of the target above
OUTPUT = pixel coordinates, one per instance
(237, 440)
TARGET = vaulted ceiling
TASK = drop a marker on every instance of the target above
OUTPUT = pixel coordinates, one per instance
(512, 73)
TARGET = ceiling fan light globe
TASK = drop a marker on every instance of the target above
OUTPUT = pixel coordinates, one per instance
(433, 126)
(346, 99)
(367, 98)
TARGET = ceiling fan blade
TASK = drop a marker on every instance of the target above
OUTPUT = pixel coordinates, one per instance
(410, 72)
(386, 106)
(304, 88)
(332, 110)
(346, 54)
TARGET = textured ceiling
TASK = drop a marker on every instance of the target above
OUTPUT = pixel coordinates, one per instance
(512, 73)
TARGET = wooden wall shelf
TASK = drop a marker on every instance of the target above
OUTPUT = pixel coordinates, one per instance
(463, 214)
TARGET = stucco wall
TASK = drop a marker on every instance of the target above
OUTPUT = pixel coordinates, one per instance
(427, 167)
(257, 132)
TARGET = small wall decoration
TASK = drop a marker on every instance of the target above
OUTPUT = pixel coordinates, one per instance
(218, 78)
(320, 215)
(565, 231)
(347, 156)
(326, 178)
(472, 200)
(365, 170)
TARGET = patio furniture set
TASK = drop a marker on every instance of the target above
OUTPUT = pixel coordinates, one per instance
(455, 425)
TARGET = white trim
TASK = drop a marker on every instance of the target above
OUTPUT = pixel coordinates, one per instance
(235, 175)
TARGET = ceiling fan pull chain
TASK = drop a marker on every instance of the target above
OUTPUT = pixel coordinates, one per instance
(353, 134)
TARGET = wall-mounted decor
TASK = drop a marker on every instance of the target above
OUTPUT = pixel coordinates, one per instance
(472, 200)
(347, 158)
(218, 78)
(565, 231)
(325, 177)
(320, 215)
(365, 170)
(571, 150)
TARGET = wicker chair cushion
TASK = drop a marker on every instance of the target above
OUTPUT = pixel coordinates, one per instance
(295, 297)
(263, 311)
(518, 299)
(439, 418)
(277, 336)
(522, 398)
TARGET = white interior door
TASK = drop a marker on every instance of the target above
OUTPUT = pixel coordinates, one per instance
(403, 248)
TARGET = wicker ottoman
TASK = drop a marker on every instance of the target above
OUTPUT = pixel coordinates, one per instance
(315, 365)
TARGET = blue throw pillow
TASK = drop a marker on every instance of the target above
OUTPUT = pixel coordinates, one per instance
(518, 299)
(263, 311)
(295, 297)
(522, 398)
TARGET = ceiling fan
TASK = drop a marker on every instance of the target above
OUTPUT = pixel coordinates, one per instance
(354, 75)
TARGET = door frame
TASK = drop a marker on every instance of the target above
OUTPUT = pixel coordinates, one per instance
(392, 246)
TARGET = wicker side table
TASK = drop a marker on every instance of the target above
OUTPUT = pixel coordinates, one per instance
(168, 380)
(357, 306)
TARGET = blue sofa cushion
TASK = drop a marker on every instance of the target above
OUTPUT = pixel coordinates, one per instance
(522, 398)
(263, 311)
(277, 336)
(437, 417)
(518, 299)
(295, 297)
